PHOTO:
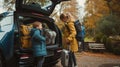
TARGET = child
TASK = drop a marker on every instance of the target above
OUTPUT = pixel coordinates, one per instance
(38, 43)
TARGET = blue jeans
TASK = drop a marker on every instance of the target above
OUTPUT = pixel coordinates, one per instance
(72, 59)
(82, 44)
(39, 61)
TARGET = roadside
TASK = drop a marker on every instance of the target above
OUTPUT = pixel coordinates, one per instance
(89, 59)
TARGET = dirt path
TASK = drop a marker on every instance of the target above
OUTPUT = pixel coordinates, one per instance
(87, 59)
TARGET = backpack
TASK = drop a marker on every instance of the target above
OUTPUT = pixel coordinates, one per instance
(25, 37)
(25, 29)
(77, 25)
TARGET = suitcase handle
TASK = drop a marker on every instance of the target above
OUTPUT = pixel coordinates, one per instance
(68, 48)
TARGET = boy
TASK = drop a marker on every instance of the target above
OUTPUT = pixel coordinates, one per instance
(38, 43)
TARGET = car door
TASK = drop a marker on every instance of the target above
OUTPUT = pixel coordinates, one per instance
(6, 34)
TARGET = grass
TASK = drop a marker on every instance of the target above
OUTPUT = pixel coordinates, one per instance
(89, 39)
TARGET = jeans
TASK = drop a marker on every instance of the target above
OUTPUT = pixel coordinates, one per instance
(82, 44)
(39, 61)
(72, 59)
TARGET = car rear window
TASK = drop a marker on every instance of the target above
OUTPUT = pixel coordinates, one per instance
(43, 4)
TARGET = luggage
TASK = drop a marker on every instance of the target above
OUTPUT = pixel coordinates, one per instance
(25, 41)
(25, 29)
(25, 37)
(65, 58)
(50, 36)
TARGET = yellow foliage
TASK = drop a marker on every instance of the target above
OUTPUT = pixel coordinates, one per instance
(95, 10)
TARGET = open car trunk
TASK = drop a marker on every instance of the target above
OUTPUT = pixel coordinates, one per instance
(28, 11)
(48, 23)
(23, 41)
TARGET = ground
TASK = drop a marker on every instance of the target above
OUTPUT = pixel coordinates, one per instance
(89, 59)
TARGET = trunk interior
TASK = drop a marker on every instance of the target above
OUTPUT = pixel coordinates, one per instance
(23, 25)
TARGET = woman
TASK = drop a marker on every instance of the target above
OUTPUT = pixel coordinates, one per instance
(69, 35)
(38, 43)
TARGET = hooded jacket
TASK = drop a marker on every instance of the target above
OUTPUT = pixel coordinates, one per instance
(71, 36)
(38, 43)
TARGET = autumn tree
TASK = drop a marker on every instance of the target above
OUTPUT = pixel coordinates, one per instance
(109, 25)
(114, 6)
(9, 5)
(96, 9)
(111, 21)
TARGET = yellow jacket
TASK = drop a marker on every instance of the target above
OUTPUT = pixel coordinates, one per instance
(70, 35)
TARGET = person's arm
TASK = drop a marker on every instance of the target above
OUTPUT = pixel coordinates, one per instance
(37, 36)
(72, 31)
(84, 30)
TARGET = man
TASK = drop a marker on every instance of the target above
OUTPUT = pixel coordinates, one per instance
(82, 37)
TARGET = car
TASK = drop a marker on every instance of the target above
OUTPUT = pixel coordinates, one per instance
(6, 37)
(28, 11)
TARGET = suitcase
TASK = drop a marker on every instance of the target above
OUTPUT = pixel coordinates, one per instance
(65, 57)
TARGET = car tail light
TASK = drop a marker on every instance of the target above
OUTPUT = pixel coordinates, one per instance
(59, 50)
(24, 56)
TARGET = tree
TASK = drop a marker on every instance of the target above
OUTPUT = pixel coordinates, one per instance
(109, 25)
(114, 6)
(96, 9)
(9, 5)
